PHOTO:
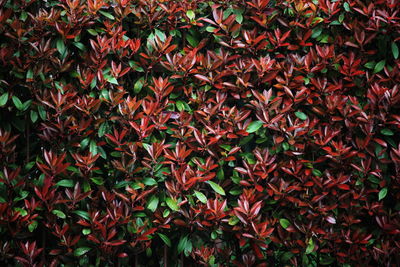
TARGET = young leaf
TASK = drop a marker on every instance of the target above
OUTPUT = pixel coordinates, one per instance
(254, 126)
(216, 187)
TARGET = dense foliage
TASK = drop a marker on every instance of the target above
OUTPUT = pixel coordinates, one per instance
(216, 133)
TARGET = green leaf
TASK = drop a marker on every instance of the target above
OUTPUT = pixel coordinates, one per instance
(317, 172)
(210, 29)
(32, 226)
(395, 50)
(254, 126)
(34, 116)
(160, 35)
(387, 132)
(59, 214)
(301, 115)
(346, 7)
(180, 105)
(81, 251)
(93, 147)
(97, 180)
(216, 187)
(84, 214)
(190, 14)
(42, 112)
(138, 85)
(200, 196)
(382, 194)
(86, 231)
(60, 47)
(165, 238)
(92, 32)
(316, 32)
(3, 99)
(172, 204)
(107, 15)
(370, 65)
(310, 246)
(379, 66)
(66, 183)
(182, 244)
(153, 203)
(239, 18)
(192, 40)
(112, 80)
(284, 223)
(80, 46)
(17, 103)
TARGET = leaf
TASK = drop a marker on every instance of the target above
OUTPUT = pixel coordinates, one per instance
(346, 7)
(182, 244)
(301, 115)
(138, 85)
(395, 50)
(180, 105)
(284, 223)
(382, 194)
(387, 132)
(60, 47)
(310, 246)
(65, 183)
(97, 180)
(59, 214)
(239, 18)
(200, 196)
(34, 116)
(317, 172)
(84, 214)
(190, 14)
(3, 99)
(32, 226)
(153, 203)
(210, 29)
(254, 126)
(216, 187)
(192, 40)
(379, 66)
(107, 15)
(81, 251)
(17, 103)
(86, 231)
(165, 238)
(370, 65)
(172, 204)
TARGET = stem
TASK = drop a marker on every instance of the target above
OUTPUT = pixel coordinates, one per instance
(165, 256)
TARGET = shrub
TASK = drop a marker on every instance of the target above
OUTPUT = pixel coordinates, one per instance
(216, 133)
